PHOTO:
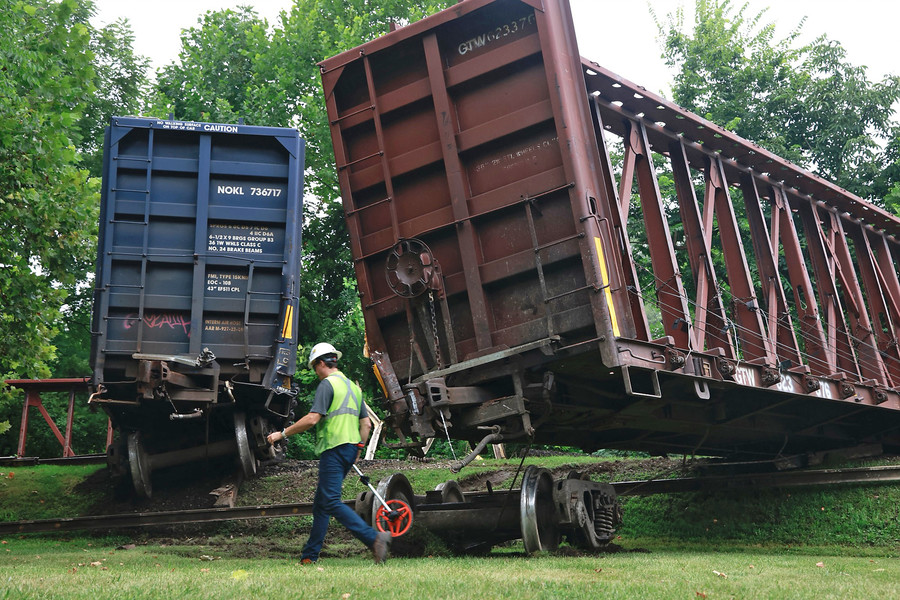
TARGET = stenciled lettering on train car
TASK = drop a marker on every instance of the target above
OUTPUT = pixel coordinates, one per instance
(514, 27)
(195, 126)
(747, 376)
(220, 128)
(241, 239)
(221, 283)
(284, 357)
(249, 190)
(512, 158)
(223, 325)
(160, 320)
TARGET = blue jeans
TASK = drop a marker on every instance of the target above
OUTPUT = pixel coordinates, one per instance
(334, 464)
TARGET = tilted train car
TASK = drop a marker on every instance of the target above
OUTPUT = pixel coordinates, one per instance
(195, 307)
(517, 286)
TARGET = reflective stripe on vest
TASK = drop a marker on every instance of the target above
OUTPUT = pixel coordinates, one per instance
(341, 424)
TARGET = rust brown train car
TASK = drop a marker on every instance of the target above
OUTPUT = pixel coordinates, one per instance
(517, 286)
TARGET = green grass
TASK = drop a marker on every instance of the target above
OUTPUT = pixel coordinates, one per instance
(44, 491)
(47, 568)
(762, 543)
(857, 516)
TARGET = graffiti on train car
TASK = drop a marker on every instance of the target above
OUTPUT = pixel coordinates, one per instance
(160, 320)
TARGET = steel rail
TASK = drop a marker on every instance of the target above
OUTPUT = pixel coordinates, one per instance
(30, 461)
(857, 475)
(169, 517)
(851, 476)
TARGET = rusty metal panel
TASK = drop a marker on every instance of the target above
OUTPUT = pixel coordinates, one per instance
(456, 132)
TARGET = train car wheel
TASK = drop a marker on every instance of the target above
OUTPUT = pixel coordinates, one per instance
(395, 487)
(245, 454)
(450, 492)
(139, 465)
(538, 518)
(363, 506)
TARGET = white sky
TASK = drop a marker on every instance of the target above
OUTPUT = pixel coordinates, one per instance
(618, 34)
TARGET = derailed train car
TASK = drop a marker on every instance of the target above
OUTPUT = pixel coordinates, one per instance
(195, 304)
(512, 292)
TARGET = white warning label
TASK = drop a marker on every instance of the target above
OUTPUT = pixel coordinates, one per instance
(241, 239)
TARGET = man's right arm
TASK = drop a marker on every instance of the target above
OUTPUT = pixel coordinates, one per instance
(324, 395)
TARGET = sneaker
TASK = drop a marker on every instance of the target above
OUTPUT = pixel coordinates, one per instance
(382, 546)
(307, 561)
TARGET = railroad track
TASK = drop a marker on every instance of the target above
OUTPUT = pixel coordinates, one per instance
(30, 461)
(855, 475)
(851, 476)
(146, 519)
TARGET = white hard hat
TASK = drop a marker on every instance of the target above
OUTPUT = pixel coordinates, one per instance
(321, 349)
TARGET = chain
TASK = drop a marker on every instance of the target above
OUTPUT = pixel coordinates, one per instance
(437, 358)
(409, 372)
(437, 341)
(447, 432)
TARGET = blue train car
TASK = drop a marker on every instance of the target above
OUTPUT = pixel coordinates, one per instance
(197, 282)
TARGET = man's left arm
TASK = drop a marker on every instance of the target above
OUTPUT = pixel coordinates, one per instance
(365, 427)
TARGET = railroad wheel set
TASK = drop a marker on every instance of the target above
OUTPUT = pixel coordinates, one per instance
(541, 512)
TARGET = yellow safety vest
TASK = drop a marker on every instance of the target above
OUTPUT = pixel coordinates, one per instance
(341, 424)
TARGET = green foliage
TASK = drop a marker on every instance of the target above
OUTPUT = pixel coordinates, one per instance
(441, 449)
(73, 341)
(121, 81)
(805, 103)
(47, 203)
(64, 80)
(88, 426)
(303, 446)
(727, 65)
(218, 76)
(892, 200)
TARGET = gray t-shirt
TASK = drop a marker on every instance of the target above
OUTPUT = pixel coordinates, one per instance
(324, 396)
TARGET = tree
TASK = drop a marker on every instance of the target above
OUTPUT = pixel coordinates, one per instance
(47, 203)
(805, 103)
(120, 76)
(217, 76)
(60, 81)
(889, 177)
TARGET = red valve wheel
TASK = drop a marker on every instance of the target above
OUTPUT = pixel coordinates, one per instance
(397, 520)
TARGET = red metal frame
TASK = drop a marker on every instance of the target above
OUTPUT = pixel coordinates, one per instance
(845, 298)
(33, 389)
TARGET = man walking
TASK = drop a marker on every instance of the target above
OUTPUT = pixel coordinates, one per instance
(342, 427)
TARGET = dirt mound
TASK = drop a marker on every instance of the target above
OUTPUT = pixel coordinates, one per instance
(175, 488)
